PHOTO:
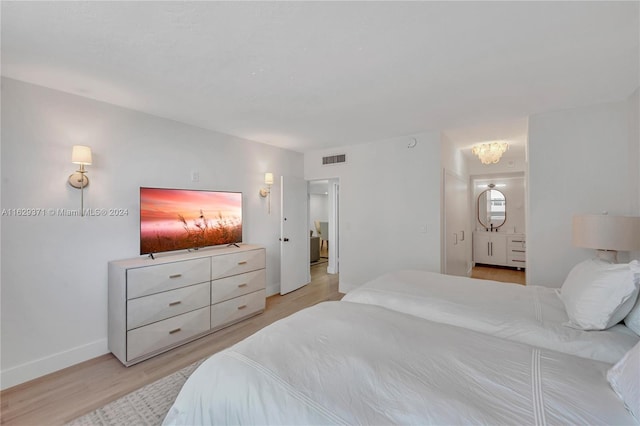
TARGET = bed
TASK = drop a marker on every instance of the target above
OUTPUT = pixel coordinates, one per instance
(528, 314)
(353, 363)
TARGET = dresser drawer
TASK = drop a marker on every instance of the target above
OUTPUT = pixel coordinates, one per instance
(516, 241)
(237, 263)
(237, 285)
(519, 263)
(157, 278)
(517, 254)
(159, 335)
(159, 306)
(517, 257)
(225, 313)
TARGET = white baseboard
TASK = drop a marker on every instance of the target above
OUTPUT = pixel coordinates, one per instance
(344, 287)
(13, 376)
(273, 289)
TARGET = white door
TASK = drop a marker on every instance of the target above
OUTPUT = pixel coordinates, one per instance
(294, 236)
(456, 219)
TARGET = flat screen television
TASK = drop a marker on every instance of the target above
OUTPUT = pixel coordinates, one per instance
(179, 219)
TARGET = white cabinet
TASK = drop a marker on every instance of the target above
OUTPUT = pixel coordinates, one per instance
(158, 304)
(490, 248)
(494, 248)
(516, 250)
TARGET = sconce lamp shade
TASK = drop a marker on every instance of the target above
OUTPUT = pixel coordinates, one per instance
(268, 178)
(604, 232)
(81, 155)
(266, 192)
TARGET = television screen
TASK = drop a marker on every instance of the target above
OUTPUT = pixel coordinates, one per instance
(178, 219)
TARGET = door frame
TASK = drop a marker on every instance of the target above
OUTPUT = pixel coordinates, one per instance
(334, 226)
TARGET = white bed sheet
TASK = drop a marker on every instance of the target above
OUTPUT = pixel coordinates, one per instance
(529, 314)
(350, 363)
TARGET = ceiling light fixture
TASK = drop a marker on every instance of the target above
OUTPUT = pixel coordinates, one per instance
(490, 153)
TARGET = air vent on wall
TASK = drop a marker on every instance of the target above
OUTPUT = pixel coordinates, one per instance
(334, 159)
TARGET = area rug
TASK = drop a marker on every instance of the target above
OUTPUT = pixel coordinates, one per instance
(146, 406)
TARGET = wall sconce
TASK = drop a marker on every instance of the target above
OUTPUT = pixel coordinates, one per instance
(80, 155)
(607, 234)
(266, 192)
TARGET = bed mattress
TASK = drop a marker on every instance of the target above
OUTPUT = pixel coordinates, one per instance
(529, 314)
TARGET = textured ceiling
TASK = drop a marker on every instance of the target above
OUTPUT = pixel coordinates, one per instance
(309, 75)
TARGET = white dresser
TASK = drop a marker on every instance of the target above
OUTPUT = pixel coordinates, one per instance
(497, 248)
(158, 304)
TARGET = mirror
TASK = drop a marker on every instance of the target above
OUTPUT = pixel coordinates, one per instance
(492, 209)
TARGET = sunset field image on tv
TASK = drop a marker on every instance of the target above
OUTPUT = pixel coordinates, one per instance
(179, 219)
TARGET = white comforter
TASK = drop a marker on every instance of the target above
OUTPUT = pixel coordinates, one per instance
(532, 314)
(349, 363)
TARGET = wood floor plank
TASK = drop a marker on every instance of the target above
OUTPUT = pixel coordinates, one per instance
(507, 275)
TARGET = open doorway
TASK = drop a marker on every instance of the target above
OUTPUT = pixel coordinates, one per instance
(487, 233)
(323, 223)
(499, 237)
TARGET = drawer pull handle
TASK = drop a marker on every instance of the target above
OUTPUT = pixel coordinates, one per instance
(517, 241)
(175, 303)
(242, 307)
(175, 276)
(519, 251)
(243, 262)
(242, 285)
(175, 331)
(521, 261)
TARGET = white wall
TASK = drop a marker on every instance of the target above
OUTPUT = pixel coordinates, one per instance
(453, 159)
(54, 275)
(634, 147)
(389, 195)
(318, 210)
(578, 163)
(634, 154)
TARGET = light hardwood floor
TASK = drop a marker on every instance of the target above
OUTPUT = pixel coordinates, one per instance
(64, 395)
(506, 275)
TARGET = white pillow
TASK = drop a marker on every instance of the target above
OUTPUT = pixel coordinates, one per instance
(632, 320)
(597, 294)
(624, 378)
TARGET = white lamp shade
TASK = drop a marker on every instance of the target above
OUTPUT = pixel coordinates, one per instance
(268, 178)
(604, 232)
(81, 155)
